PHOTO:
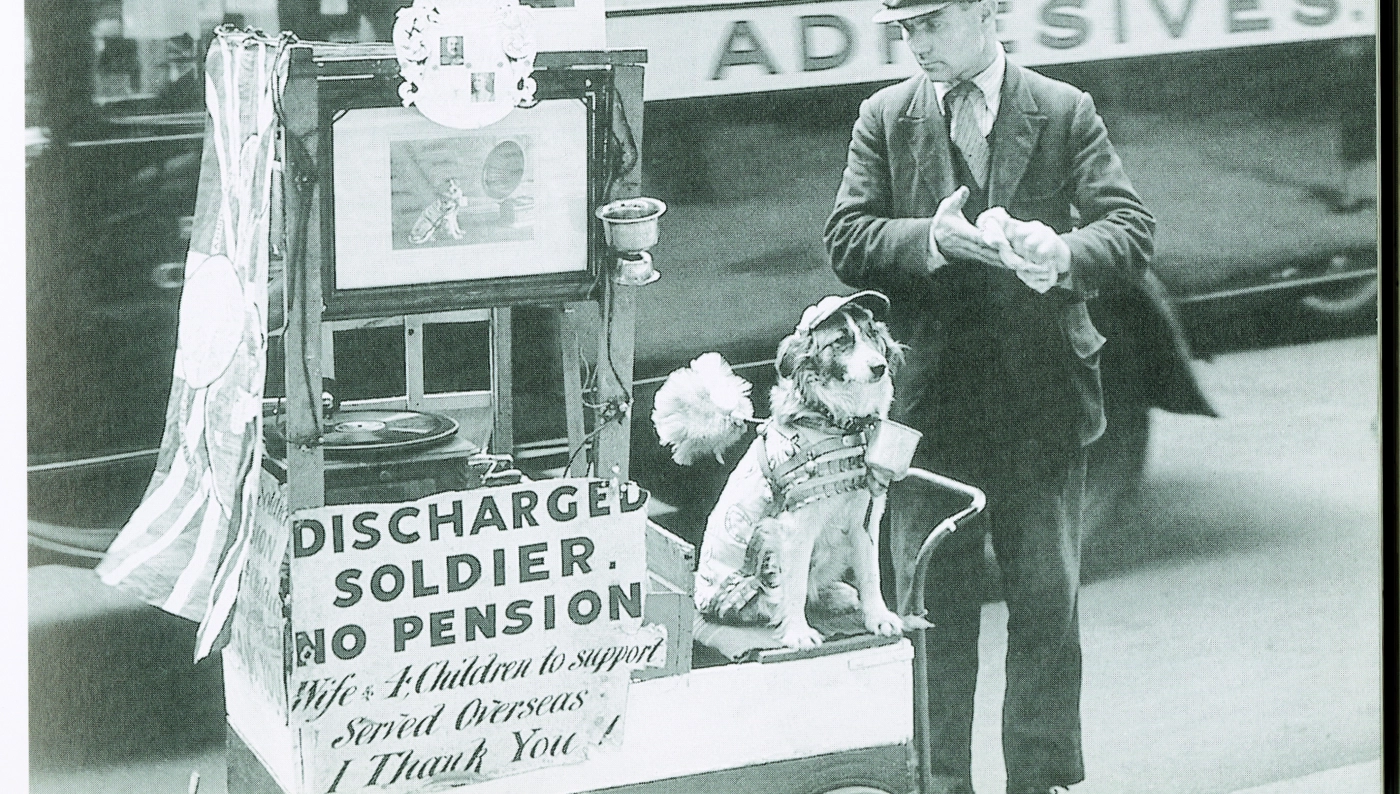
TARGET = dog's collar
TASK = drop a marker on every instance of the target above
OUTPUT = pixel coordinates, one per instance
(821, 419)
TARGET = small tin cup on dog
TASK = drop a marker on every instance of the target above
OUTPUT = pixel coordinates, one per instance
(891, 449)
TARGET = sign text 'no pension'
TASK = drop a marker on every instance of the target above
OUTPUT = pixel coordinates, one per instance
(492, 564)
(469, 634)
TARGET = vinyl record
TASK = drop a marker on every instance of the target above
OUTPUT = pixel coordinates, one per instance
(376, 430)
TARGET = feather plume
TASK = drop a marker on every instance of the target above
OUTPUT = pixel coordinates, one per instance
(702, 409)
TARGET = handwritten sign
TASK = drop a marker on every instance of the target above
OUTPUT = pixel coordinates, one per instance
(467, 635)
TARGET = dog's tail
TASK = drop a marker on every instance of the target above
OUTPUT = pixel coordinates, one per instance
(702, 409)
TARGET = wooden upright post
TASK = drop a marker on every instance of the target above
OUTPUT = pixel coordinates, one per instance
(614, 416)
(301, 138)
(570, 323)
(619, 305)
(502, 383)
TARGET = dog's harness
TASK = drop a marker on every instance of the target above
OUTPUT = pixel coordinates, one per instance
(833, 466)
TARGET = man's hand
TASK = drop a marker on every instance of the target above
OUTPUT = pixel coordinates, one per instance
(1031, 249)
(1040, 244)
(956, 237)
(1044, 256)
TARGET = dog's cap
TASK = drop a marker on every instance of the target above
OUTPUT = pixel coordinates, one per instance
(895, 10)
(815, 315)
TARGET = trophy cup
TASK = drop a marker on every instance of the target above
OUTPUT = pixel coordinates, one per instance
(630, 228)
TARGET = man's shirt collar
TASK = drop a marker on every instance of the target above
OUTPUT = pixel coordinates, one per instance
(989, 80)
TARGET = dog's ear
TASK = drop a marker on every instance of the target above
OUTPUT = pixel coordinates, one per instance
(791, 352)
(892, 348)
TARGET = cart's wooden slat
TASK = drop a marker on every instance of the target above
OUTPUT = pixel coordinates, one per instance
(683, 732)
(670, 558)
(881, 768)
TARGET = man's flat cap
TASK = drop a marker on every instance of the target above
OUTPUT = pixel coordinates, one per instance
(896, 10)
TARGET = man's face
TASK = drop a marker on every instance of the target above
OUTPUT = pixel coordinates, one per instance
(951, 44)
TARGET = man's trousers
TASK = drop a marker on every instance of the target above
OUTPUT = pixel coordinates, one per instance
(1035, 497)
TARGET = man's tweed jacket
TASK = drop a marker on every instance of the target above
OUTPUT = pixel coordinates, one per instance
(988, 356)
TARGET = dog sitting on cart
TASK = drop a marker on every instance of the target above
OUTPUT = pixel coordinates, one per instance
(802, 680)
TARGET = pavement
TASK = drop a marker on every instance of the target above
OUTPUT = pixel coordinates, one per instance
(1355, 778)
(112, 679)
(1231, 627)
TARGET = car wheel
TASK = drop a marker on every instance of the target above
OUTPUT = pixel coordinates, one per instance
(1115, 469)
(857, 790)
(1343, 300)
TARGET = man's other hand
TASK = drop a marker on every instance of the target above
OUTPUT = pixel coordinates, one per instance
(1040, 244)
(956, 237)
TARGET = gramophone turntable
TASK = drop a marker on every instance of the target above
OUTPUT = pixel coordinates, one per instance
(392, 455)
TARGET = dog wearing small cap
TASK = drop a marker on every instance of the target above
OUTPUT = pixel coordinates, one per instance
(798, 521)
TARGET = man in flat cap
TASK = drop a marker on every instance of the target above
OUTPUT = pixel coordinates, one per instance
(987, 202)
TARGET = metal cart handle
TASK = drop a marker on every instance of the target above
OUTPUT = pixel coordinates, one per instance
(976, 501)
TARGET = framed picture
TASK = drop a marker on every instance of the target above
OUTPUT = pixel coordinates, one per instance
(423, 217)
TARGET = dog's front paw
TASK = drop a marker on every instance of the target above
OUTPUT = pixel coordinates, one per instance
(802, 636)
(883, 622)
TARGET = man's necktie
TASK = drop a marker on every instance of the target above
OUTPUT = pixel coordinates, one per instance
(962, 103)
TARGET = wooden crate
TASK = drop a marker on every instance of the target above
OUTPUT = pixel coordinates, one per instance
(670, 598)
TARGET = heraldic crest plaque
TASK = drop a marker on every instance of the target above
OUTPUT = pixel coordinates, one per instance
(465, 63)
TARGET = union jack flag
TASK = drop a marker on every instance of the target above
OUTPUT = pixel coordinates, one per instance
(185, 546)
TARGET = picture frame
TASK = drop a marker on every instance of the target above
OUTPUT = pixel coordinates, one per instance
(420, 217)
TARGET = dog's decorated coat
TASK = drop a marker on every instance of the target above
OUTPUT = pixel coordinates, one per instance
(740, 561)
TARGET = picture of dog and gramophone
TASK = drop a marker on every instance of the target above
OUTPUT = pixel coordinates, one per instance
(464, 190)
